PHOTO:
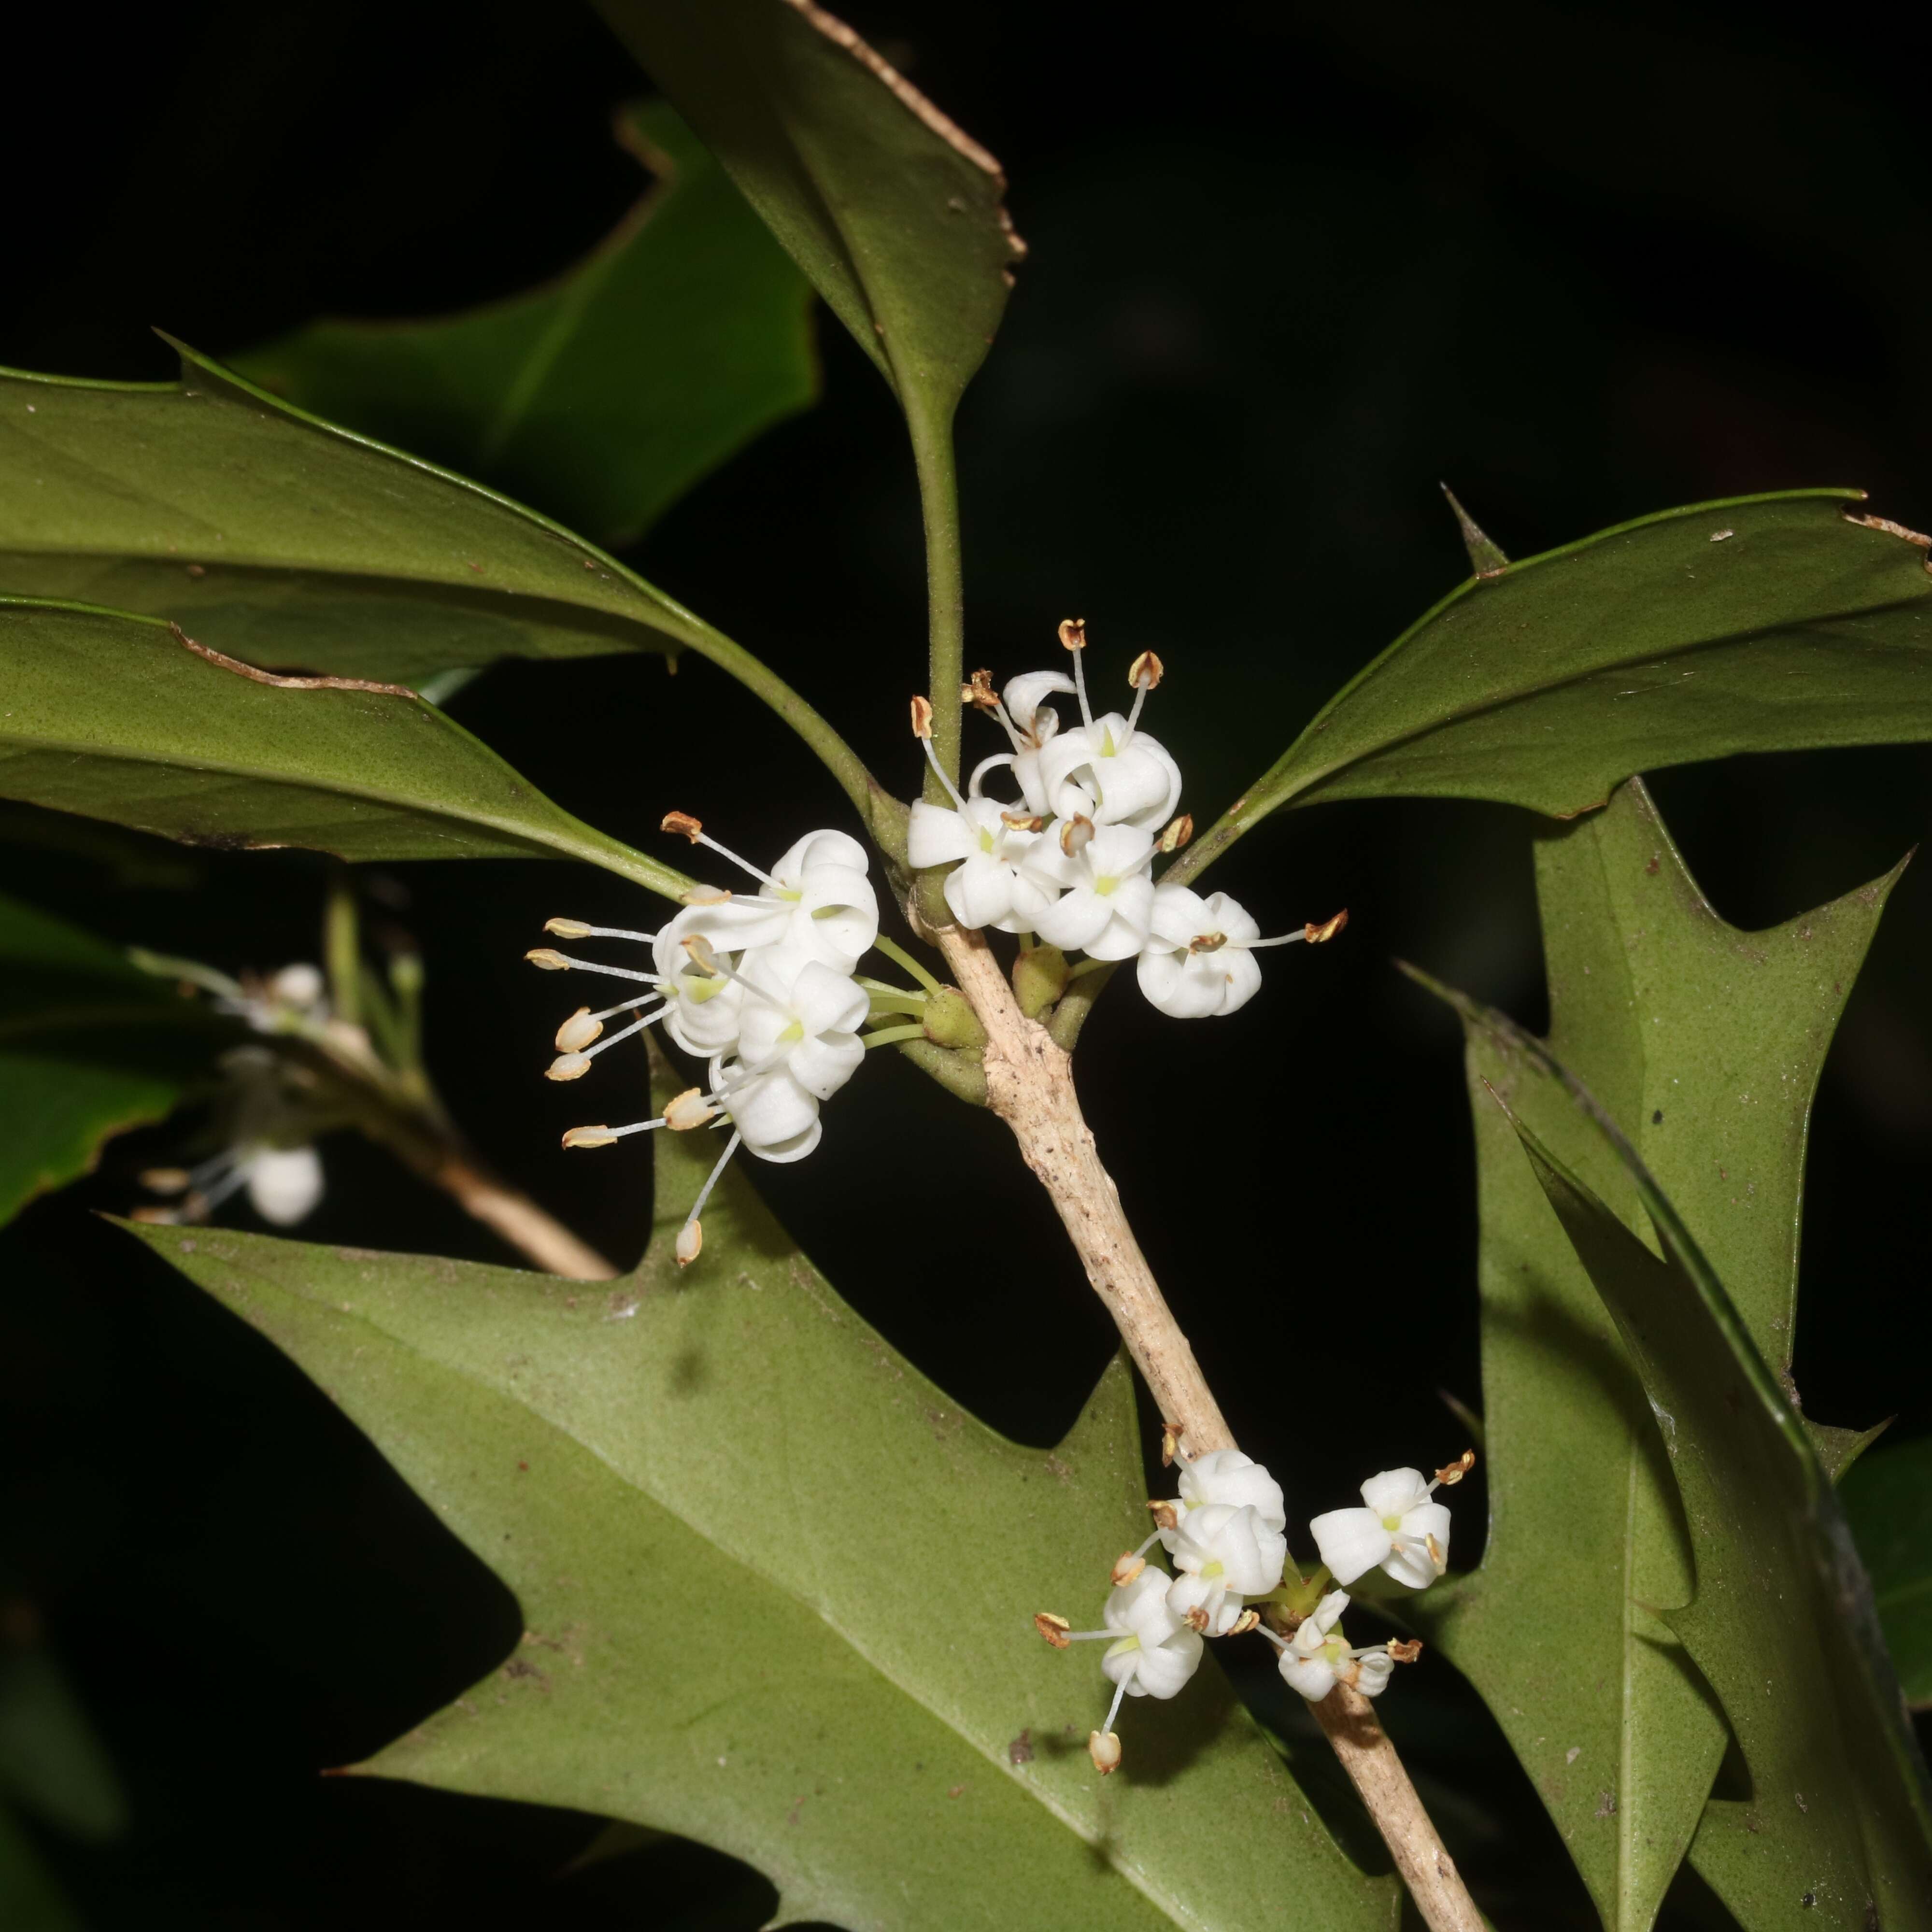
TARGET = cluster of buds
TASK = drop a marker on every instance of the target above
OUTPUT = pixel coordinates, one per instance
(1224, 1534)
(761, 985)
(1071, 860)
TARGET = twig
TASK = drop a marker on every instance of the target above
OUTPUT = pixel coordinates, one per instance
(518, 1220)
(1030, 1085)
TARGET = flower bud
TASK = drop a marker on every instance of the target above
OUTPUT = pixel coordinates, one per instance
(1104, 1748)
(1039, 977)
(690, 1240)
(585, 1137)
(568, 1066)
(950, 1021)
(578, 1031)
(569, 928)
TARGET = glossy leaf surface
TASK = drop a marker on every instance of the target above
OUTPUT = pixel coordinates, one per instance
(112, 716)
(604, 396)
(893, 212)
(1707, 1041)
(1768, 623)
(279, 538)
(89, 1045)
(778, 1588)
(1888, 1498)
(1838, 1819)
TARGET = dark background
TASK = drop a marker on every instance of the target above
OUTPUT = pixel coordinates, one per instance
(1584, 261)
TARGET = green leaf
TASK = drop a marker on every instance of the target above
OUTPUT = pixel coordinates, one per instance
(89, 1045)
(279, 539)
(605, 395)
(114, 716)
(893, 212)
(778, 1588)
(1888, 1500)
(1839, 1819)
(1760, 624)
(1707, 1043)
(30, 1901)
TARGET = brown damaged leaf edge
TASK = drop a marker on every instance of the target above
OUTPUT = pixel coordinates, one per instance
(950, 132)
(1891, 529)
(260, 677)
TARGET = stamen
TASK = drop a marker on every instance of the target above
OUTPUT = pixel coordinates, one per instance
(1449, 1477)
(1170, 1452)
(1053, 1628)
(575, 928)
(553, 962)
(1076, 835)
(1256, 945)
(1143, 673)
(978, 690)
(1113, 1711)
(1176, 835)
(706, 955)
(932, 759)
(165, 1180)
(574, 1063)
(691, 1236)
(689, 828)
(1104, 1748)
(1403, 1652)
(1073, 635)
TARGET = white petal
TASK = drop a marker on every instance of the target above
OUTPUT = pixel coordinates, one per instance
(284, 1184)
(1169, 983)
(1076, 919)
(1311, 1676)
(1227, 1476)
(1241, 979)
(1165, 1669)
(980, 892)
(1409, 1564)
(1372, 1672)
(1328, 1610)
(938, 835)
(1031, 902)
(771, 1110)
(1118, 849)
(1226, 915)
(1178, 916)
(822, 1063)
(1395, 1491)
(816, 849)
(826, 1001)
(1139, 1608)
(1352, 1542)
(1023, 694)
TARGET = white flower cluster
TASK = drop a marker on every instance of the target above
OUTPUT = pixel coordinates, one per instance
(1071, 861)
(761, 985)
(266, 1129)
(1225, 1534)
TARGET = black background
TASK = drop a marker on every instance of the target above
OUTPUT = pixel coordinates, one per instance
(1291, 265)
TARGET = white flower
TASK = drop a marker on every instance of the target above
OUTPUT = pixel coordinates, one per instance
(809, 1027)
(1226, 1476)
(1228, 1544)
(1197, 960)
(1318, 1656)
(1207, 1605)
(1031, 723)
(1155, 1653)
(776, 1113)
(1112, 773)
(1108, 896)
(817, 896)
(991, 840)
(1400, 1528)
(283, 1183)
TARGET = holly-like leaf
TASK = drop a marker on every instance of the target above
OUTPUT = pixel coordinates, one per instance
(1888, 1498)
(281, 539)
(89, 1046)
(778, 1588)
(1707, 1043)
(893, 212)
(118, 717)
(605, 395)
(1763, 624)
(1839, 1817)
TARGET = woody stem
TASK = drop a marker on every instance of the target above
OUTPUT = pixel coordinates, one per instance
(1030, 1085)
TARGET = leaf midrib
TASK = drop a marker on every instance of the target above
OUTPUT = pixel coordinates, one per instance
(335, 1312)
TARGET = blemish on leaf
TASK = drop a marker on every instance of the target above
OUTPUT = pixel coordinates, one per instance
(1020, 1751)
(1606, 1805)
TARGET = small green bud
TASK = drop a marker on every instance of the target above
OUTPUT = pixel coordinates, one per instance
(1040, 978)
(949, 1020)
